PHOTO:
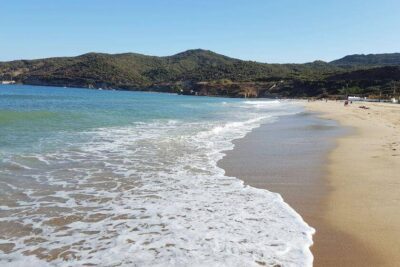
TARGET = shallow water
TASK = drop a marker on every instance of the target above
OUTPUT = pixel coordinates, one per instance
(117, 178)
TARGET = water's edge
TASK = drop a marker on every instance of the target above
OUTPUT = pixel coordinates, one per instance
(141, 180)
(245, 160)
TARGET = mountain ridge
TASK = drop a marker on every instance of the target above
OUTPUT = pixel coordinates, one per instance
(369, 59)
(182, 72)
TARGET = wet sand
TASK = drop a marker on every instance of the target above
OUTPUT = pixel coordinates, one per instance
(290, 157)
(364, 173)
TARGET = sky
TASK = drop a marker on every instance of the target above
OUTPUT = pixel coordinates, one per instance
(273, 31)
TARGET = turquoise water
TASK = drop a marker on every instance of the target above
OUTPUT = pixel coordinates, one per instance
(114, 178)
(30, 113)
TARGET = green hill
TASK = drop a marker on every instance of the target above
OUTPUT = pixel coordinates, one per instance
(140, 70)
(199, 72)
(368, 60)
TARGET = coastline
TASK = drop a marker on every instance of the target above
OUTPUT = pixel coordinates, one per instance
(309, 181)
(363, 172)
(283, 157)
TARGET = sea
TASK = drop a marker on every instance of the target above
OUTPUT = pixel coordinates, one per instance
(118, 178)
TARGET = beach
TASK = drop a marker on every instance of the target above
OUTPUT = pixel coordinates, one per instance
(94, 177)
(338, 173)
(363, 172)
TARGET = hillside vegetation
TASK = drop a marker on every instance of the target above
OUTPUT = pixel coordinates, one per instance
(204, 72)
(369, 60)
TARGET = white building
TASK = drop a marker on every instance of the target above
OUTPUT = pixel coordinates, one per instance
(356, 98)
(7, 82)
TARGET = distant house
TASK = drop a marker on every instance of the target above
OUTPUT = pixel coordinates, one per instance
(364, 98)
(356, 98)
(8, 82)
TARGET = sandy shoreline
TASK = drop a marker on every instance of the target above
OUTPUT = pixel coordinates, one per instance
(283, 157)
(364, 174)
(346, 189)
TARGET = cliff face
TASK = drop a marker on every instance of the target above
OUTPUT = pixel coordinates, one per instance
(203, 72)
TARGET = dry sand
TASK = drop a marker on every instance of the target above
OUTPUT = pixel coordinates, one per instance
(364, 177)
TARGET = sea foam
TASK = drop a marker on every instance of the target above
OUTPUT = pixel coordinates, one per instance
(149, 194)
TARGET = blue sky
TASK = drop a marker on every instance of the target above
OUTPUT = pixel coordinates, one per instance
(275, 31)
